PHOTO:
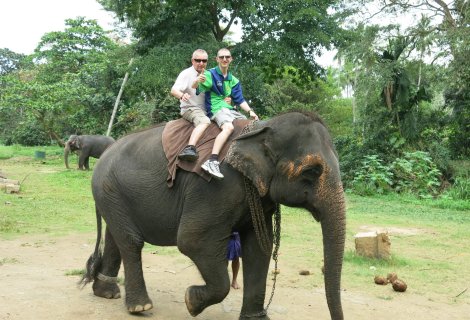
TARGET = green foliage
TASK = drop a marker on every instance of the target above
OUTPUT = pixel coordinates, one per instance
(460, 189)
(413, 172)
(289, 31)
(28, 134)
(458, 100)
(63, 52)
(10, 61)
(373, 177)
(337, 113)
(70, 88)
(351, 153)
(416, 173)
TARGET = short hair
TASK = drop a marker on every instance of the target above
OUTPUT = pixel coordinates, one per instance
(199, 51)
(223, 49)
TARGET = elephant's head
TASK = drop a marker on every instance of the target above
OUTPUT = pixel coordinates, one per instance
(291, 159)
(73, 144)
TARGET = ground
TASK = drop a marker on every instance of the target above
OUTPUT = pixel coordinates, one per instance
(35, 285)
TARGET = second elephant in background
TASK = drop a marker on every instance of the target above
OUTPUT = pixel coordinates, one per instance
(86, 146)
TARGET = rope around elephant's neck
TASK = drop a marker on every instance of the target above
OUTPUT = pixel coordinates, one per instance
(257, 216)
(259, 224)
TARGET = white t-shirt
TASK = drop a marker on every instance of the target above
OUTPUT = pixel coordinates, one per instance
(183, 83)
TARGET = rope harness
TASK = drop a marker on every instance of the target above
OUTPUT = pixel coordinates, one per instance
(261, 231)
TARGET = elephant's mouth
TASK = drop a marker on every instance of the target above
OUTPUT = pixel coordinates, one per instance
(315, 213)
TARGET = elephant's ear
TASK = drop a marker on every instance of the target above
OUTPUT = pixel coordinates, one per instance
(251, 155)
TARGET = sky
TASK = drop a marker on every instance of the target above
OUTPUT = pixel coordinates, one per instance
(24, 22)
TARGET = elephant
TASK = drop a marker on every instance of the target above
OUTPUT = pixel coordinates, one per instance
(287, 160)
(86, 146)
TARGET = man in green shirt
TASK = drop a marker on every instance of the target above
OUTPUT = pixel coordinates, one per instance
(218, 84)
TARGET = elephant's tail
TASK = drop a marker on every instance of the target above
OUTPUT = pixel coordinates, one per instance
(94, 261)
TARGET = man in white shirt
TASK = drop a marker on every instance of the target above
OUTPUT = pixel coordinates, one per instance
(192, 105)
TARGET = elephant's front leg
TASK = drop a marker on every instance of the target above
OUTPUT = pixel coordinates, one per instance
(81, 159)
(209, 255)
(255, 270)
(87, 163)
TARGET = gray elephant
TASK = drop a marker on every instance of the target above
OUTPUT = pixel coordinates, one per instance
(86, 146)
(289, 160)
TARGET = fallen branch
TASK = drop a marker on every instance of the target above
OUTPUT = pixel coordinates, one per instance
(461, 293)
(25, 178)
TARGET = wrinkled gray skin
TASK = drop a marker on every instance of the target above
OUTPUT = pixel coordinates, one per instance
(86, 146)
(290, 160)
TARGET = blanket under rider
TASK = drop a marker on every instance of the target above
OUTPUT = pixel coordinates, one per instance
(175, 137)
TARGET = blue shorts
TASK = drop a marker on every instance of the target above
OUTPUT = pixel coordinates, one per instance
(234, 247)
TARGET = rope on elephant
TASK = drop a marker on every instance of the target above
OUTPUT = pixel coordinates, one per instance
(257, 215)
(259, 224)
(107, 279)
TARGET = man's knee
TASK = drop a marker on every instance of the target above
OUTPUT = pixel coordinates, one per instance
(203, 125)
(227, 127)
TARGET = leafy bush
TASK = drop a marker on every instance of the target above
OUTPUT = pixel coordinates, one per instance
(413, 173)
(416, 173)
(29, 134)
(373, 177)
(460, 189)
(350, 155)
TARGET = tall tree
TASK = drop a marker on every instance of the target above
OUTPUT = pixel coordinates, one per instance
(10, 61)
(70, 87)
(275, 32)
(82, 42)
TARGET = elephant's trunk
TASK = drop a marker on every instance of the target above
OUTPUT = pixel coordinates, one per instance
(333, 224)
(66, 154)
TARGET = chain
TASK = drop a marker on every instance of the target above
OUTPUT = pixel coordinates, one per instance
(277, 244)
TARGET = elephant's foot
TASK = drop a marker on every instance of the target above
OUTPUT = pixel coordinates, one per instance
(194, 300)
(106, 289)
(260, 315)
(138, 302)
(136, 308)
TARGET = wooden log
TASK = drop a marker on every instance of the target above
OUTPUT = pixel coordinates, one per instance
(373, 245)
(6, 181)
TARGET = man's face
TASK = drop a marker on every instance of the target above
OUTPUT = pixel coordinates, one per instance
(224, 58)
(199, 61)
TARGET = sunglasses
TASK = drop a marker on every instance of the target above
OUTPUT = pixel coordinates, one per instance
(200, 60)
(224, 57)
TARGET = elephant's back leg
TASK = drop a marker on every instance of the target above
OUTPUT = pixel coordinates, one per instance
(209, 255)
(105, 284)
(126, 243)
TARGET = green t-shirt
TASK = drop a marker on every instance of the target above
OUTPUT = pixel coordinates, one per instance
(217, 88)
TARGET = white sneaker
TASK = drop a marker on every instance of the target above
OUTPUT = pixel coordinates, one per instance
(212, 168)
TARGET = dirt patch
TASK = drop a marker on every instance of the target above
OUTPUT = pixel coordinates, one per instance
(34, 285)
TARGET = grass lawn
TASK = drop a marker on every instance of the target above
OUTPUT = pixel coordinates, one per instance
(430, 238)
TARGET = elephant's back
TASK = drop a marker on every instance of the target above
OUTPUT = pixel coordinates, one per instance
(136, 154)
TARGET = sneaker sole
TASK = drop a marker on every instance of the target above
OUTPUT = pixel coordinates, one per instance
(206, 169)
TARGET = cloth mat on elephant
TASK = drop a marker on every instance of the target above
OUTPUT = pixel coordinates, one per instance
(175, 137)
